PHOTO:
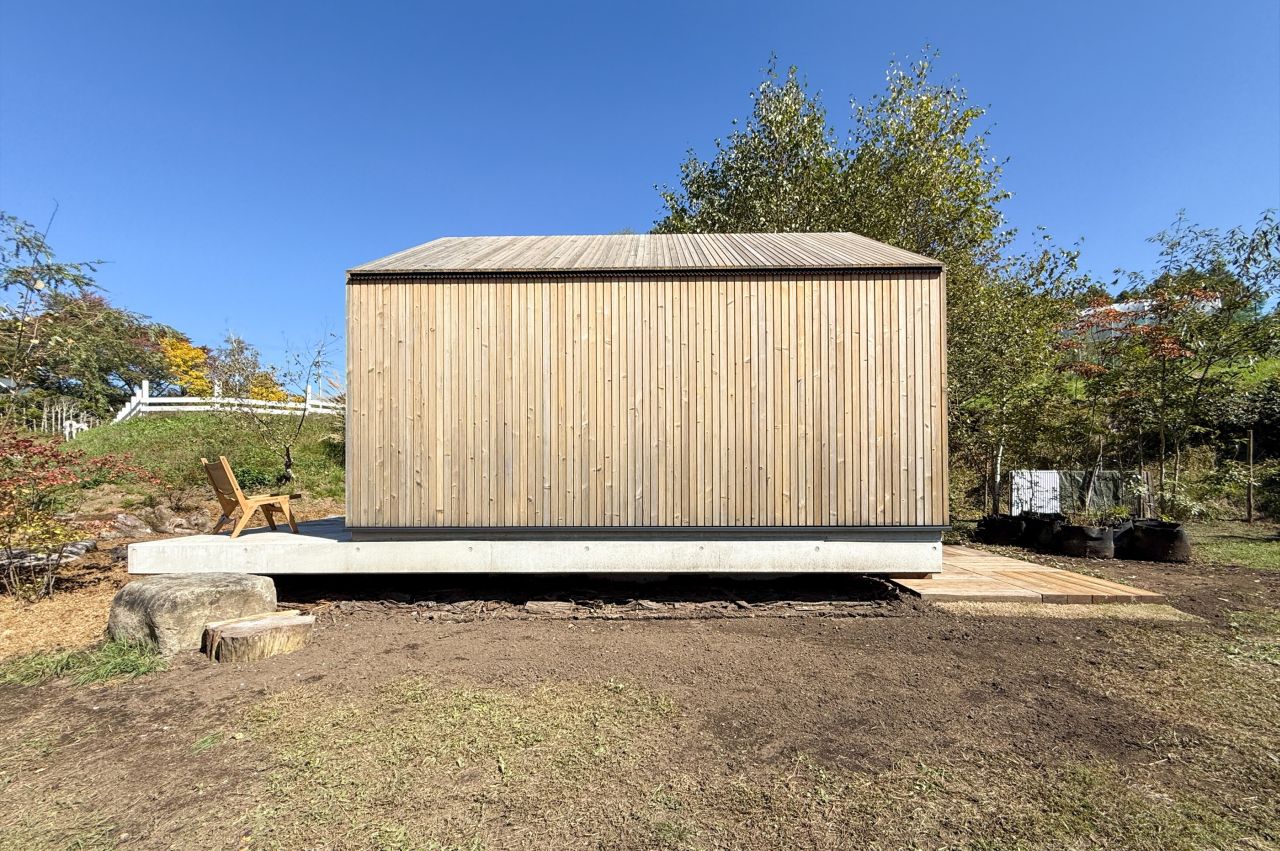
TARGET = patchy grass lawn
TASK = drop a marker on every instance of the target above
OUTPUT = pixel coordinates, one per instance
(349, 769)
(1226, 542)
(965, 726)
(1255, 545)
(418, 765)
(972, 727)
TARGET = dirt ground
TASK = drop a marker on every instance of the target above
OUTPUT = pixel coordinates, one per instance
(77, 612)
(487, 715)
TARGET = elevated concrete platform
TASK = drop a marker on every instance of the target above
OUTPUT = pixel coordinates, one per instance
(325, 547)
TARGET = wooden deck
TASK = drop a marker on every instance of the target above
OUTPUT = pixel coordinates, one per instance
(978, 576)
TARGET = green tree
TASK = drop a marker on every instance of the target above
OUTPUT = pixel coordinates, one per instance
(917, 173)
(30, 275)
(1196, 326)
(921, 173)
(99, 353)
(1005, 388)
(236, 368)
(782, 172)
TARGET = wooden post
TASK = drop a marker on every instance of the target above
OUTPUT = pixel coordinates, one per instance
(1248, 493)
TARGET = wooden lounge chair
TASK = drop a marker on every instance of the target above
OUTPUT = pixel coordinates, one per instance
(230, 497)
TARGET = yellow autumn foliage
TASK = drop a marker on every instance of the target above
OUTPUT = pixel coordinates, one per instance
(188, 364)
(264, 386)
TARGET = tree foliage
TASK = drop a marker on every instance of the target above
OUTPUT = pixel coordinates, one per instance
(1172, 357)
(30, 275)
(99, 353)
(188, 365)
(36, 477)
(921, 173)
(782, 172)
(917, 173)
(237, 368)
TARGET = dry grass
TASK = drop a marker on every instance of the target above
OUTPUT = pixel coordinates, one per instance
(974, 800)
(66, 620)
(1082, 611)
(1256, 636)
(451, 765)
(572, 765)
(419, 766)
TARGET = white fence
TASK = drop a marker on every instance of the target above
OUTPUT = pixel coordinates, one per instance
(142, 402)
(62, 416)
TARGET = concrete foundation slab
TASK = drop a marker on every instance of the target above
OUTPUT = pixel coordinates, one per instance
(326, 548)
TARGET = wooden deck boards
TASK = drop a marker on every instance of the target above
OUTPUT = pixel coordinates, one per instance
(978, 576)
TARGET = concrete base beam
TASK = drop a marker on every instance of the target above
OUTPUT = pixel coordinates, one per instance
(278, 553)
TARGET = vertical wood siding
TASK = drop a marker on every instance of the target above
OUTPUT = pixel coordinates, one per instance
(780, 400)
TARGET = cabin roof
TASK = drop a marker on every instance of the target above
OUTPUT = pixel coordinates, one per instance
(478, 255)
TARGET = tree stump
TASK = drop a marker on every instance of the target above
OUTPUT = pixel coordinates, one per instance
(171, 611)
(257, 636)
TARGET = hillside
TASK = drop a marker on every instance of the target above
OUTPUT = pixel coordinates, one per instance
(171, 446)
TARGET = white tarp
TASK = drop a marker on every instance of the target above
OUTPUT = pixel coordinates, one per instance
(1036, 490)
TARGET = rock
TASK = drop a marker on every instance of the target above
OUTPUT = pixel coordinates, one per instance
(79, 548)
(166, 521)
(130, 526)
(170, 611)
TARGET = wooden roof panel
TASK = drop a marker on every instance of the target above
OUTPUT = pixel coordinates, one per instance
(469, 255)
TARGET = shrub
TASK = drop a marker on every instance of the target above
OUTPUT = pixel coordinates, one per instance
(253, 478)
(36, 479)
(1267, 490)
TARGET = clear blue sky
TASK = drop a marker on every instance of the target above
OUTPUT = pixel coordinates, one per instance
(231, 159)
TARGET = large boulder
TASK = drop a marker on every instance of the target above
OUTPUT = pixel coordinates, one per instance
(170, 611)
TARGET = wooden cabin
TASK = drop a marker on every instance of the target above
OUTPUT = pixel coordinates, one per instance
(653, 388)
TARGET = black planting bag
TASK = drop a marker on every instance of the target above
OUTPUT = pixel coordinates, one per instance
(1085, 541)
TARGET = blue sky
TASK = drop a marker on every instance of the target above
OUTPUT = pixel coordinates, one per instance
(232, 159)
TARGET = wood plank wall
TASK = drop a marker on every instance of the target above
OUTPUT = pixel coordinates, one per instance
(773, 400)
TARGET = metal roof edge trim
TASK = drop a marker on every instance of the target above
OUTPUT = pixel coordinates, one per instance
(356, 276)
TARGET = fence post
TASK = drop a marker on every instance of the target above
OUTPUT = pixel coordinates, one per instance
(306, 406)
(1248, 505)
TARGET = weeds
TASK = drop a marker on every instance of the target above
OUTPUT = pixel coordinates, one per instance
(1256, 636)
(203, 743)
(110, 661)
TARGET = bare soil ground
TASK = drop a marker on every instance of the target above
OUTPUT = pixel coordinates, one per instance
(77, 612)
(611, 717)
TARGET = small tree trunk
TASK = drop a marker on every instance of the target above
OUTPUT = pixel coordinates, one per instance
(1093, 477)
(1177, 468)
(995, 478)
(1163, 451)
(986, 489)
(1141, 507)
